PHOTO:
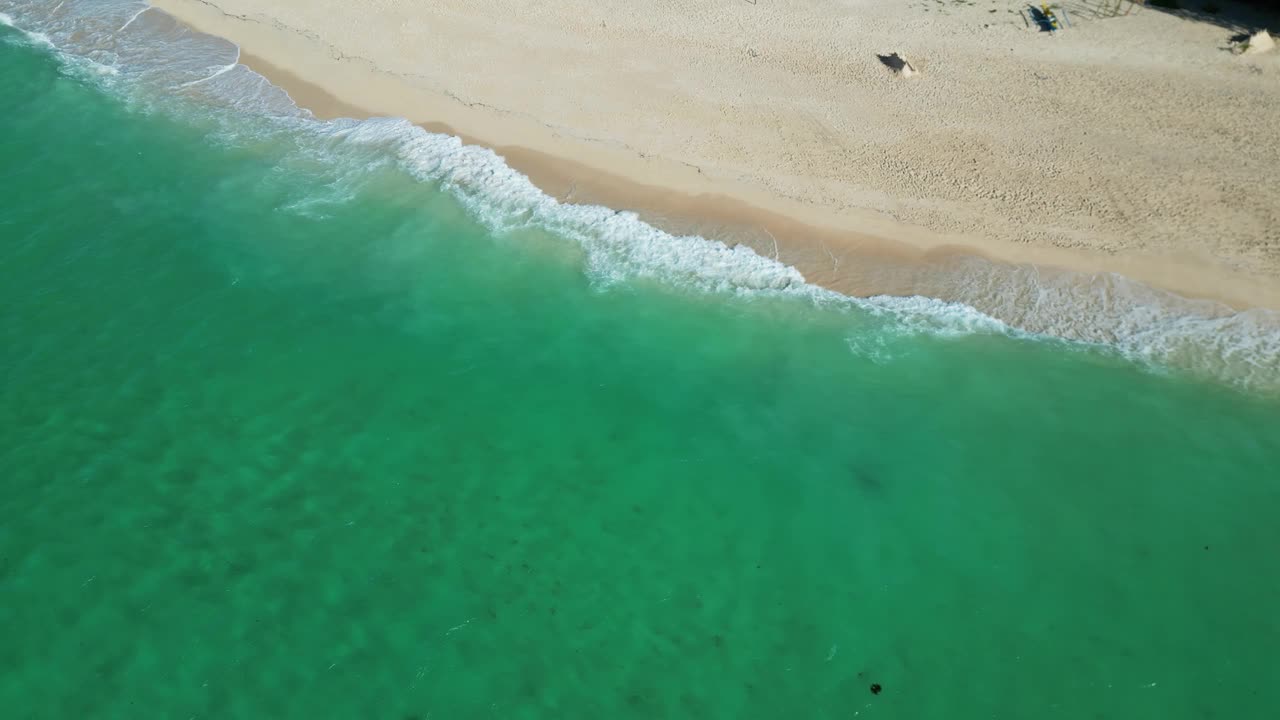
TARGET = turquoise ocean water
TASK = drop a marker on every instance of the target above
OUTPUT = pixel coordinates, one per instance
(294, 424)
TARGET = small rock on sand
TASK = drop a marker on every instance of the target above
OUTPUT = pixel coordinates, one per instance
(1260, 42)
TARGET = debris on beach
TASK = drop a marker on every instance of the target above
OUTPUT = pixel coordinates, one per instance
(1259, 42)
(1045, 18)
(898, 63)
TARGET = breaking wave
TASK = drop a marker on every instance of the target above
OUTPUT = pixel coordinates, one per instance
(151, 60)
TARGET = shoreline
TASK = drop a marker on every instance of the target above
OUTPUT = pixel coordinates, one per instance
(857, 252)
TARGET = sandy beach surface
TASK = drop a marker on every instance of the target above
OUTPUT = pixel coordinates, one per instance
(1136, 145)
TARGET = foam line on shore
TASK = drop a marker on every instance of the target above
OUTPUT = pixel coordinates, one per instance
(149, 57)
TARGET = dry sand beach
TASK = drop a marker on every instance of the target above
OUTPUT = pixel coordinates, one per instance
(1137, 144)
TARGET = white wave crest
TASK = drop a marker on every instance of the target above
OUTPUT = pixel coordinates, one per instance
(618, 244)
(156, 59)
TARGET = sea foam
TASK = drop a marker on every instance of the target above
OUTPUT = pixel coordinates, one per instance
(160, 65)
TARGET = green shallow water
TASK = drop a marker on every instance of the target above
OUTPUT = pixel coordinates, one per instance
(363, 459)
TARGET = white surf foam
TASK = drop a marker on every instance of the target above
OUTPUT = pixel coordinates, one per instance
(157, 59)
(33, 36)
(619, 245)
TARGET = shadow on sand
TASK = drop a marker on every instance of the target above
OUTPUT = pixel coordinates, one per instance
(893, 61)
(1242, 17)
